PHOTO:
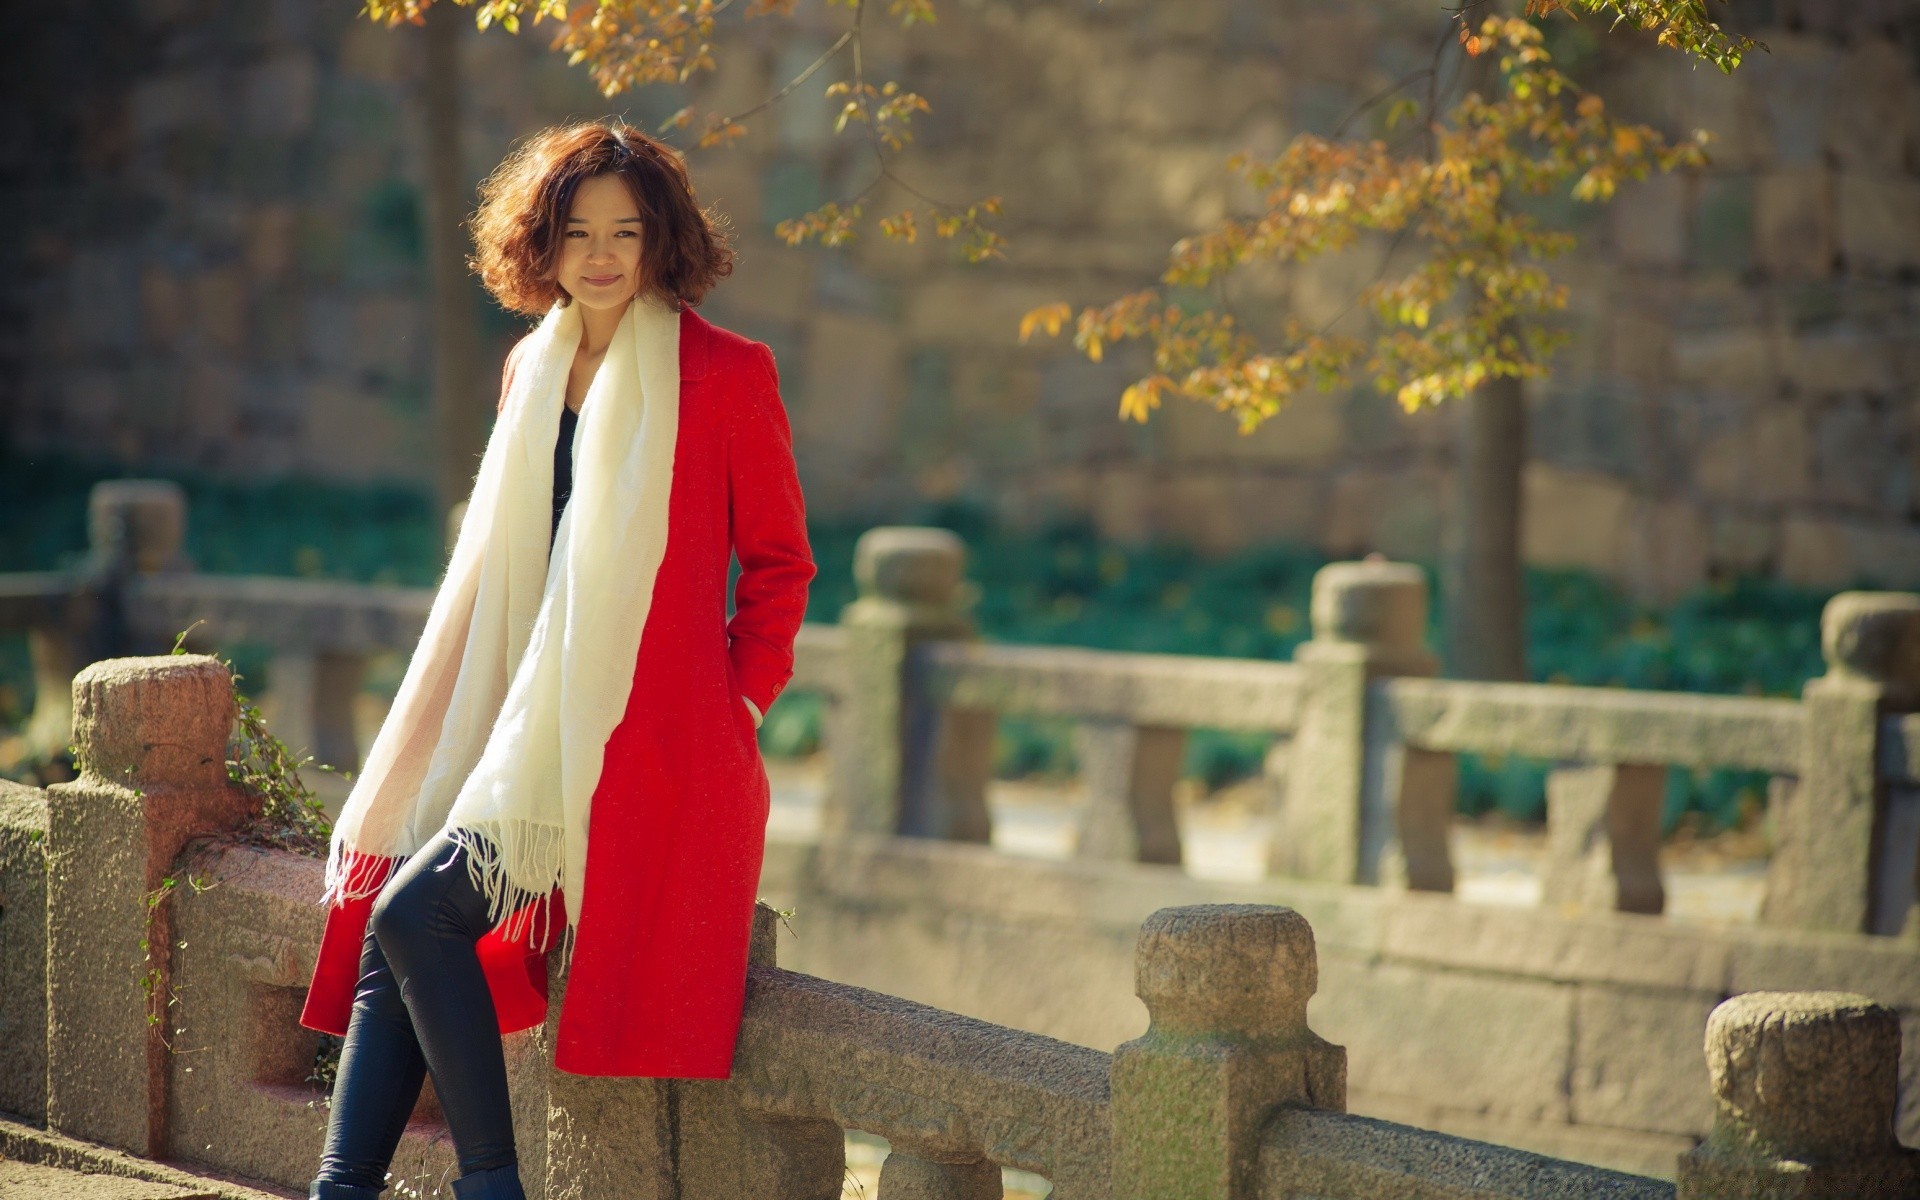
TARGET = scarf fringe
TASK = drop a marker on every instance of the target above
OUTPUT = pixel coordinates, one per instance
(355, 874)
(536, 850)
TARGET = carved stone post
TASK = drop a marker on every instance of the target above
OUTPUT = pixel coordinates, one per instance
(728, 1152)
(1603, 835)
(134, 527)
(152, 736)
(1129, 772)
(1834, 863)
(901, 763)
(1807, 1084)
(1226, 988)
(1353, 789)
(906, 1177)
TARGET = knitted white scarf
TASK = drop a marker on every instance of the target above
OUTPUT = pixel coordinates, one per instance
(524, 668)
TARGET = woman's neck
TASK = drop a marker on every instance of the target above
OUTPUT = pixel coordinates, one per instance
(598, 325)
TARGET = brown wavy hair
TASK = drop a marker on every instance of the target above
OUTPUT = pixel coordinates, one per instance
(524, 204)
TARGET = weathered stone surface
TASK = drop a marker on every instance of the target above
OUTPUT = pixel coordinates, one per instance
(1767, 456)
(1737, 543)
(1143, 689)
(1226, 989)
(1636, 1060)
(1369, 1009)
(1793, 223)
(1879, 221)
(1594, 725)
(1573, 518)
(1828, 553)
(1805, 1084)
(23, 951)
(1593, 950)
(1393, 512)
(151, 735)
(1649, 221)
(1306, 1153)
(1310, 430)
(24, 1181)
(907, 1177)
(1870, 121)
(1127, 775)
(1663, 550)
(1603, 839)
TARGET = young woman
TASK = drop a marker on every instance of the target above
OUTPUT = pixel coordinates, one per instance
(570, 759)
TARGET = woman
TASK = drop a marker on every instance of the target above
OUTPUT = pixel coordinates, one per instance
(571, 756)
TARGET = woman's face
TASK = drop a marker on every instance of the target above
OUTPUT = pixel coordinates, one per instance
(600, 246)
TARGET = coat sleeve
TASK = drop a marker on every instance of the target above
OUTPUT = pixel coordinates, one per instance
(768, 525)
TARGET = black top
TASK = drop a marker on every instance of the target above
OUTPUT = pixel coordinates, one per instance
(562, 467)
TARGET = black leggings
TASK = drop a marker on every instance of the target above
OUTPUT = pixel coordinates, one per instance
(421, 1005)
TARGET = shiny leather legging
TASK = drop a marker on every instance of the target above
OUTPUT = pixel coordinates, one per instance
(421, 1005)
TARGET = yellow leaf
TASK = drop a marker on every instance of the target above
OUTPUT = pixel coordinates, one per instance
(1049, 317)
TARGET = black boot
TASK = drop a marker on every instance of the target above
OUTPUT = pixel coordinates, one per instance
(323, 1190)
(499, 1183)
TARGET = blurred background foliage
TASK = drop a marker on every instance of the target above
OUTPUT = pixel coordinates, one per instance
(1061, 585)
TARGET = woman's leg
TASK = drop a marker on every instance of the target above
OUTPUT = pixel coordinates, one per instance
(427, 920)
(375, 1087)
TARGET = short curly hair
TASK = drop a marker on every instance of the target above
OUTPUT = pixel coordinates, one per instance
(524, 204)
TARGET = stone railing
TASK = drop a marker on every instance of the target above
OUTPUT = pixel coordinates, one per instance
(174, 959)
(1367, 736)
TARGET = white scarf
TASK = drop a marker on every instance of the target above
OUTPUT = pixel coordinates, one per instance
(524, 668)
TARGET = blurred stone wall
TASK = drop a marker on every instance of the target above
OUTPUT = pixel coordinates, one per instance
(218, 264)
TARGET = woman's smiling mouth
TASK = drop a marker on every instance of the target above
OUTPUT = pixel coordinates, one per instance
(600, 280)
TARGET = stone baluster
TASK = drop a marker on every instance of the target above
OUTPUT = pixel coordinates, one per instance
(1603, 839)
(1129, 773)
(134, 527)
(727, 1151)
(1834, 867)
(901, 762)
(1354, 789)
(151, 735)
(1806, 1084)
(905, 1176)
(309, 704)
(1226, 988)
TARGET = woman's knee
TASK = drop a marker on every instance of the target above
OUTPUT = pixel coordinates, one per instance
(405, 912)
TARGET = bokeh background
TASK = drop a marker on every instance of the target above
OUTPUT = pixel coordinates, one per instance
(218, 270)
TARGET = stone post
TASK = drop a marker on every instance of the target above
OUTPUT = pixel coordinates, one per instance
(727, 1152)
(151, 735)
(902, 763)
(1806, 1084)
(134, 527)
(1353, 788)
(1603, 839)
(1831, 862)
(1226, 988)
(904, 1176)
(1129, 772)
(606, 1135)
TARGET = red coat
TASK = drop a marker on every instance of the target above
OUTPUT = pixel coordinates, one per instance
(678, 824)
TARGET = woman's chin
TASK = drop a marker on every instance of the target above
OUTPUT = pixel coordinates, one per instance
(601, 298)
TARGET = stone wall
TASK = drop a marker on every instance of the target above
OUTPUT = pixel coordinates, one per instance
(223, 269)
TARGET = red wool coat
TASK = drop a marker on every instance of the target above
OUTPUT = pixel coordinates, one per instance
(658, 977)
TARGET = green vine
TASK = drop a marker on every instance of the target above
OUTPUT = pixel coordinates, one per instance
(291, 816)
(151, 981)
